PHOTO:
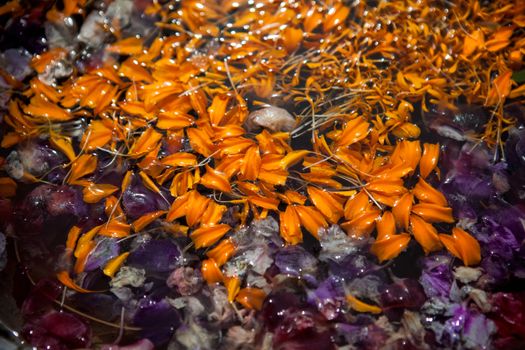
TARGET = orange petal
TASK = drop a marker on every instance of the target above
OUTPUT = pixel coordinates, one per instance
(63, 144)
(213, 213)
(354, 130)
(402, 209)
(360, 306)
(291, 38)
(264, 202)
(146, 142)
(433, 213)
(356, 205)
(233, 286)
(429, 159)
(407, 152)
(114, 264)
(472, 42)
(211, 272)
(251, 164)
(83, 165)
(182, 159)
(290, 226)
(386, 226)
(66, 280)
(500, 89)
(292, 158)
(206, 236)
(428, 194)
(222, 252)
(98, 134)
(174, 120)
(72, 237)
(217, 110)
(128, 46)
(197, 205)
(216, 180)
(335, 17)
(146, 219)
(311, 219)
(425, 234)
(115, 229)
(327, 203)
(39, 107)
(389, 248)
(500, 39)
(82, 253)
(93, 193)
(200, 141)
(387, 187)
(363, 225)
(178, 208)
(463, 246)
(251, 298)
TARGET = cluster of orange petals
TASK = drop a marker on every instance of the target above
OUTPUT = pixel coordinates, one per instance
(356, 71)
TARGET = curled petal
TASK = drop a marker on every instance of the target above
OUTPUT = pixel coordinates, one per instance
(115, 229)
(429, 159)
(98, 134)
(251, 164)
(66, 280)
(213, 213)
(292, 158)
(251, 298)
(264, 202)
(84, 165)
(182, 159)
(216, 180)
(402, 209)
(147, 141)
(146, 219)
(360, 306)
(197, 205)
(211, 272)
(72, 237)
(63, 144)
(233, 286)
(433, 212)
(407, 152)
(335, 17)
(292, 38)
(206, 236)
(93, 193)
(311, 219)
(390, 247)
(387, 187)
(463, 246)
(290, 226)
(356, 205)
(428, 194)
(174, 120)
(363, 225)
(425, 234)
(328, 204)
(222, 252)
(354, 130)
(386, 226)
(217, 110)
(114, 264)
